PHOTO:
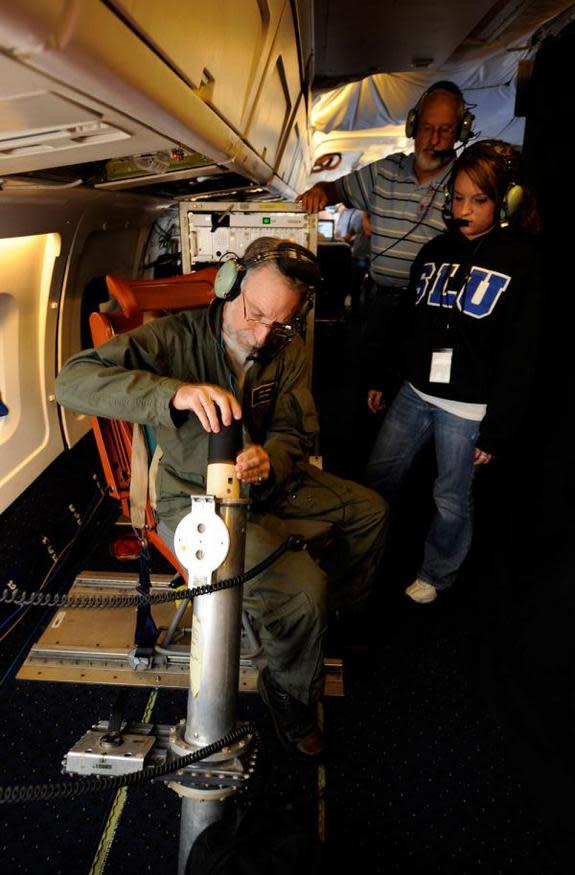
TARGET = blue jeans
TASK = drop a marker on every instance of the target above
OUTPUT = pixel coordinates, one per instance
(410, 424)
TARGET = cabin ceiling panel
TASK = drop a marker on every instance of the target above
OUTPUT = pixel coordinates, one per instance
(356, 39)
(38, 111)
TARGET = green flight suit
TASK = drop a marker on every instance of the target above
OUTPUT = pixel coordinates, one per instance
(134, 377)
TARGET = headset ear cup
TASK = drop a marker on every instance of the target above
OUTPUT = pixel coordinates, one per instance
(513, 199)
(465, 131)
(511, 203)
(447, 209)
(411, 122)
(228, 281)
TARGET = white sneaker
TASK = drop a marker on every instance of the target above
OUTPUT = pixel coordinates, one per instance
(421, 592)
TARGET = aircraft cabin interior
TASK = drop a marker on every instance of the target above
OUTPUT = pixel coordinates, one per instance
(142, 146)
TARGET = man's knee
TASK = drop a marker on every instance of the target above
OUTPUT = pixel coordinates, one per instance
(292, 622)
(378, 506)
(369, 508)
(294, 597)
(299, 616)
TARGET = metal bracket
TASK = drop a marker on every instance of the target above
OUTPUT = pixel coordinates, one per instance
(95, 755)
(135, 746)
(141, 658)
(201, 540)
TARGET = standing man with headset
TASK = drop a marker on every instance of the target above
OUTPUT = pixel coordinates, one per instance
(243, 358)
(403, 195)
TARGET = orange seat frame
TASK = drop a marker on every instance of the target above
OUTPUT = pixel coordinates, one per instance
(138, 300)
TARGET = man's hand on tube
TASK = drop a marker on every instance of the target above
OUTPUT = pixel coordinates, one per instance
(210, 403)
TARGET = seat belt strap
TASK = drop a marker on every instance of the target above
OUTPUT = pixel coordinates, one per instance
(138, 478)
(146, 633)
(152, 475)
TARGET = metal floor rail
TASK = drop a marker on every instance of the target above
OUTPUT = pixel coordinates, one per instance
(92, 645)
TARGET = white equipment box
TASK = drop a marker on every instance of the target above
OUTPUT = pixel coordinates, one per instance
(211, 232)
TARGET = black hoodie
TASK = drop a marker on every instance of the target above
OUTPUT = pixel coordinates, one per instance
(481, 298)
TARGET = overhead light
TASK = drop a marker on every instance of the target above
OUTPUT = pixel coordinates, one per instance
(421, 63)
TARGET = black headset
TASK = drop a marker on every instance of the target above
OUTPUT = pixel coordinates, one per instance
(294, 261)
(464, 131)
(509, 163)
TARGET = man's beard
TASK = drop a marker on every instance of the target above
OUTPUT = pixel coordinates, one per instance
(240, 344)
(429, 160)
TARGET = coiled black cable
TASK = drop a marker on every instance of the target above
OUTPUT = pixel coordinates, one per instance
(83, 786)
(55, 600)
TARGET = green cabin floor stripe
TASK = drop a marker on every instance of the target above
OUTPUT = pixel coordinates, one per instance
(321, 783)
(117, 808)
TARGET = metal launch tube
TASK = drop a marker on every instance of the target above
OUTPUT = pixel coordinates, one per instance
(216, 634)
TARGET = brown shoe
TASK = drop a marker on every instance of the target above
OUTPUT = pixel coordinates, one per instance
(294, 722)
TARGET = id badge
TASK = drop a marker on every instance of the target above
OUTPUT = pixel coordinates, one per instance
(440, 370)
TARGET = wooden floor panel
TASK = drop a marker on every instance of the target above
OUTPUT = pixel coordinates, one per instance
(92, 645)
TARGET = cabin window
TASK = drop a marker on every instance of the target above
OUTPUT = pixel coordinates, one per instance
(25, 316)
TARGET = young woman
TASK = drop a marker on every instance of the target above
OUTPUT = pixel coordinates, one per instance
(468, 350)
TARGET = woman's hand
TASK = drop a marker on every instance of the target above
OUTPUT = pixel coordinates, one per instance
(481, 457)
(375, 400)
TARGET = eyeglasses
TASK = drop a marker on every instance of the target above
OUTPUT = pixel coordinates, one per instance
(442, 130)
(281, 330)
